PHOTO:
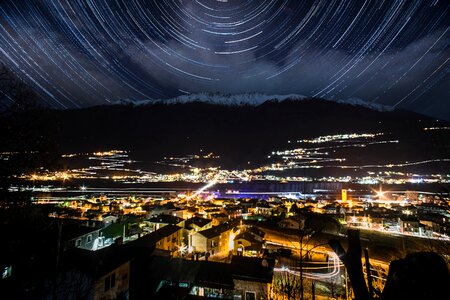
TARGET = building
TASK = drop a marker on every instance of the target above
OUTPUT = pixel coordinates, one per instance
(218, 218)
(263, 209)
(216, 240)
(292, 223)
(192, 226)
(409, 225)
(197, 224)
(252, 277)
(160, 221)
(95, 238)
(249, 243)
(103, 274)
(244, 278)
(168, 238)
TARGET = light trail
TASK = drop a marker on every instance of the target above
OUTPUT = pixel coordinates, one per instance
(202, 189)
(335, 269)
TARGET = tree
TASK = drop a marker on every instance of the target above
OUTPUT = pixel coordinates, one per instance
(286, 285)
(352, 261)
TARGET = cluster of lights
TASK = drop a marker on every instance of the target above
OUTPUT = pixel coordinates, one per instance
(436, 128)
(116, 165)
(340, 138)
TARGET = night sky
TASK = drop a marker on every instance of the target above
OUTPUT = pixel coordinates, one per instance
(78, 53)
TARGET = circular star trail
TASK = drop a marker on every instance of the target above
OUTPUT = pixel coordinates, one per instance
(78, 53)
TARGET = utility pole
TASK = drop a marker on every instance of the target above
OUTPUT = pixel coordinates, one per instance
(369, 274)
(346, 285)
(301, 264)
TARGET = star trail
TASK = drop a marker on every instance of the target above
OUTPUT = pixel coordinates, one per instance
(77, 53)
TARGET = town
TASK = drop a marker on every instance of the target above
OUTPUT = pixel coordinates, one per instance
(264, 245)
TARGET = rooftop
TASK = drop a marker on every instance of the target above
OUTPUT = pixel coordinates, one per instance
(166, 219)
(200, 222)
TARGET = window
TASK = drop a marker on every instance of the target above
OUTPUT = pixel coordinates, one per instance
(78, 243)
(250, 296)
(89, 238)
(113, 280)
(107, 283)
(110, 281)
(7, 272)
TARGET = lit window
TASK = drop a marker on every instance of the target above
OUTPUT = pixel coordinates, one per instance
(7, 272)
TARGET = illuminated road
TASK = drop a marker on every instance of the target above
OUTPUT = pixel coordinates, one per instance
(323, 270)
(441, 237)
(335, 268)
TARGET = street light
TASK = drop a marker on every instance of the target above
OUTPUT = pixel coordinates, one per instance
(380, 194)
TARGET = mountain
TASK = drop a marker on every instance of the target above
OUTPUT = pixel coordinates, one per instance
(239, 134)
(252, 99)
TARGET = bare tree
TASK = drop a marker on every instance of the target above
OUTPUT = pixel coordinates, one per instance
(352, 261)
(286, 286)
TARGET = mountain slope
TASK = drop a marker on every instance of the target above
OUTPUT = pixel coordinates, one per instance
(239, 134)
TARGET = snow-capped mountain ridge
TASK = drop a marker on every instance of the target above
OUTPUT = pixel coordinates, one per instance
(253, 99)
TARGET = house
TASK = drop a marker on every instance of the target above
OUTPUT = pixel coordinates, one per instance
(95, 238)
(218, 239)
(376, 221)
(249, 243)
(188, 279)
(192, 226)
(115, 272)
(218, 218)
(429, 227)
(262, 209)
(410, 225)
(197, 224)
(160, 221)
(103, 274)
(168, 238)
(357, 220)
(109, 219)
(252, 277)
(243, 278)
(292, 223)
(233, 212)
